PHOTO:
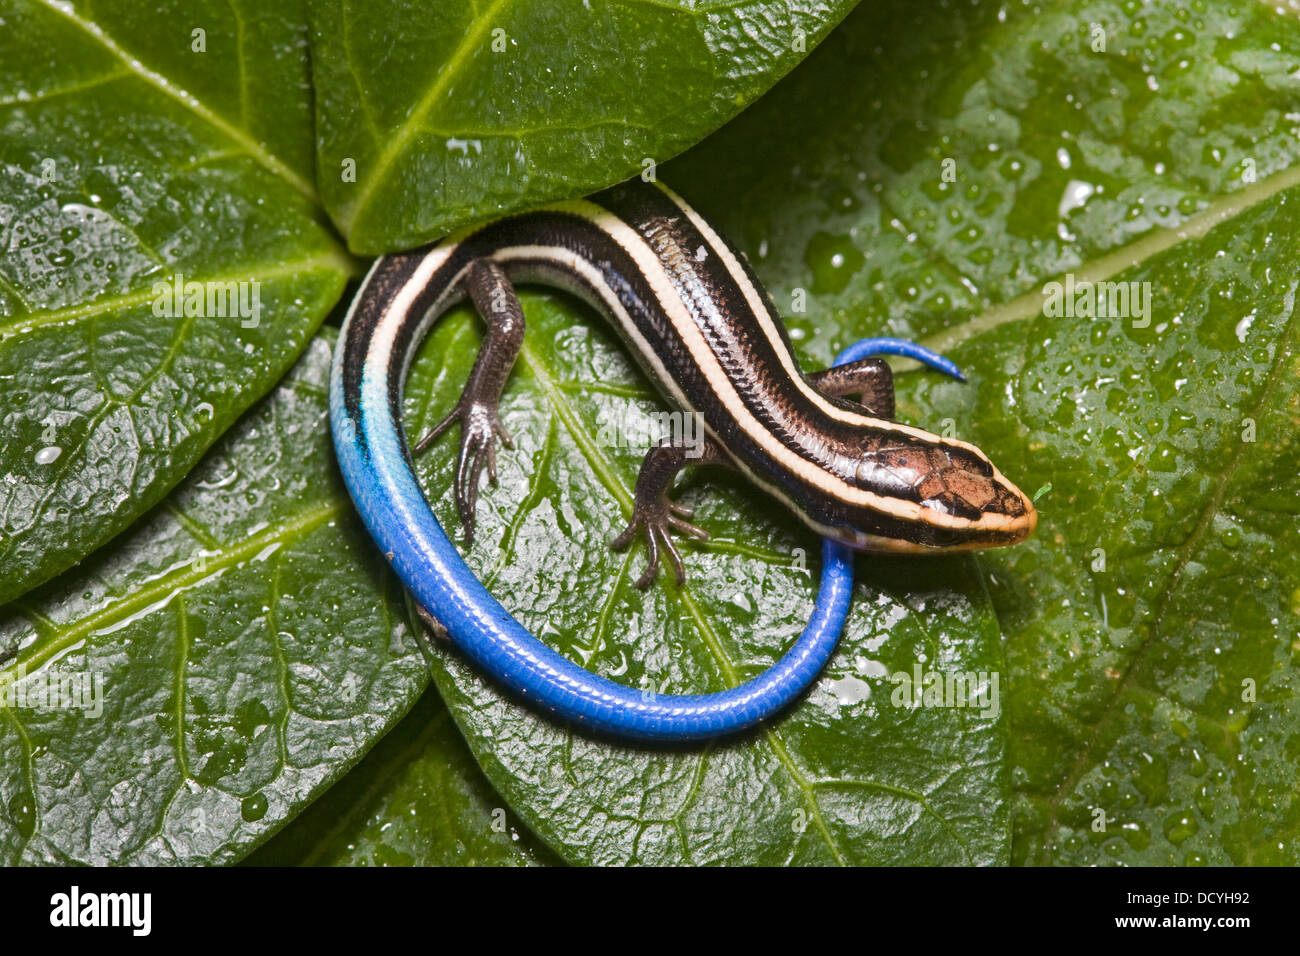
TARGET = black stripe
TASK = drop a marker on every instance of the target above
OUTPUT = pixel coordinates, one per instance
(755, 364)
(390, 274)
(749, 358)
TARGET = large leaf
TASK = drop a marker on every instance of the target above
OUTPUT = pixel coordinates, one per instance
(1125, 686)
(108, 396)
(849, 776)
(430, 116)
(239, 65)
(418, 799)
(1064, 159)
(1152, 628)
(1135, 707)
(247, 645)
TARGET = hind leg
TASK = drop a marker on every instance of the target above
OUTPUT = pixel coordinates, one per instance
(870, 379)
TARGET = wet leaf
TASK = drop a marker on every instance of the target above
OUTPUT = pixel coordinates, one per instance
(1151, 624)
(239, 649)
(1061, 159)
(431, 116)
(130, 163)
(418, 799)
(1125, 687)
(854, 774)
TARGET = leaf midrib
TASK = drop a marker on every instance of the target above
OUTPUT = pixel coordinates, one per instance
(1029, 304)
(395, 145)
(26, 322)
(163, 588)
(188, 100)
(608, 477)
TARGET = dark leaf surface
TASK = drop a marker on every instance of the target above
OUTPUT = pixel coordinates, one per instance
(127, 160)
(247, 643)
(418, 799)
(431, 116)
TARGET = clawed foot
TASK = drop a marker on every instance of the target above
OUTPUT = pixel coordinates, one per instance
(657, 520)
(480, 427)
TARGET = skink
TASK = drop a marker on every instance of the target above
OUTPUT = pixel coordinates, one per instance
(704, 331)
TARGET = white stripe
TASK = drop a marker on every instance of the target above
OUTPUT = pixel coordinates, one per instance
(759, 308)
(375, 371)
(653, 271)
(566, 260)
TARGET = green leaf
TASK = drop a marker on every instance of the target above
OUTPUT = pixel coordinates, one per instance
(240, 66)
(851, 775)
(1136, 709)
(418, 799)
(1124, 687)
(1064, 159)
(110, 395)
(431, 116)
(1152, 621)
(244, 646)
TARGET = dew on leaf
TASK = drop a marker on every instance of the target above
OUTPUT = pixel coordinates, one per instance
(22, 812)
(253, 808)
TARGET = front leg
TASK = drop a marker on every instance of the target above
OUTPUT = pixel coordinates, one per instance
(477, 410)
(870, 378)
(655, 514)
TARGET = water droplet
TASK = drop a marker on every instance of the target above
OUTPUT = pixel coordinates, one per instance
(1181, 826)
(253, 808)
(849, 690)
(1243, 327)
(22, 811)
(48, 455)
(1076, 195)
(834, 260)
